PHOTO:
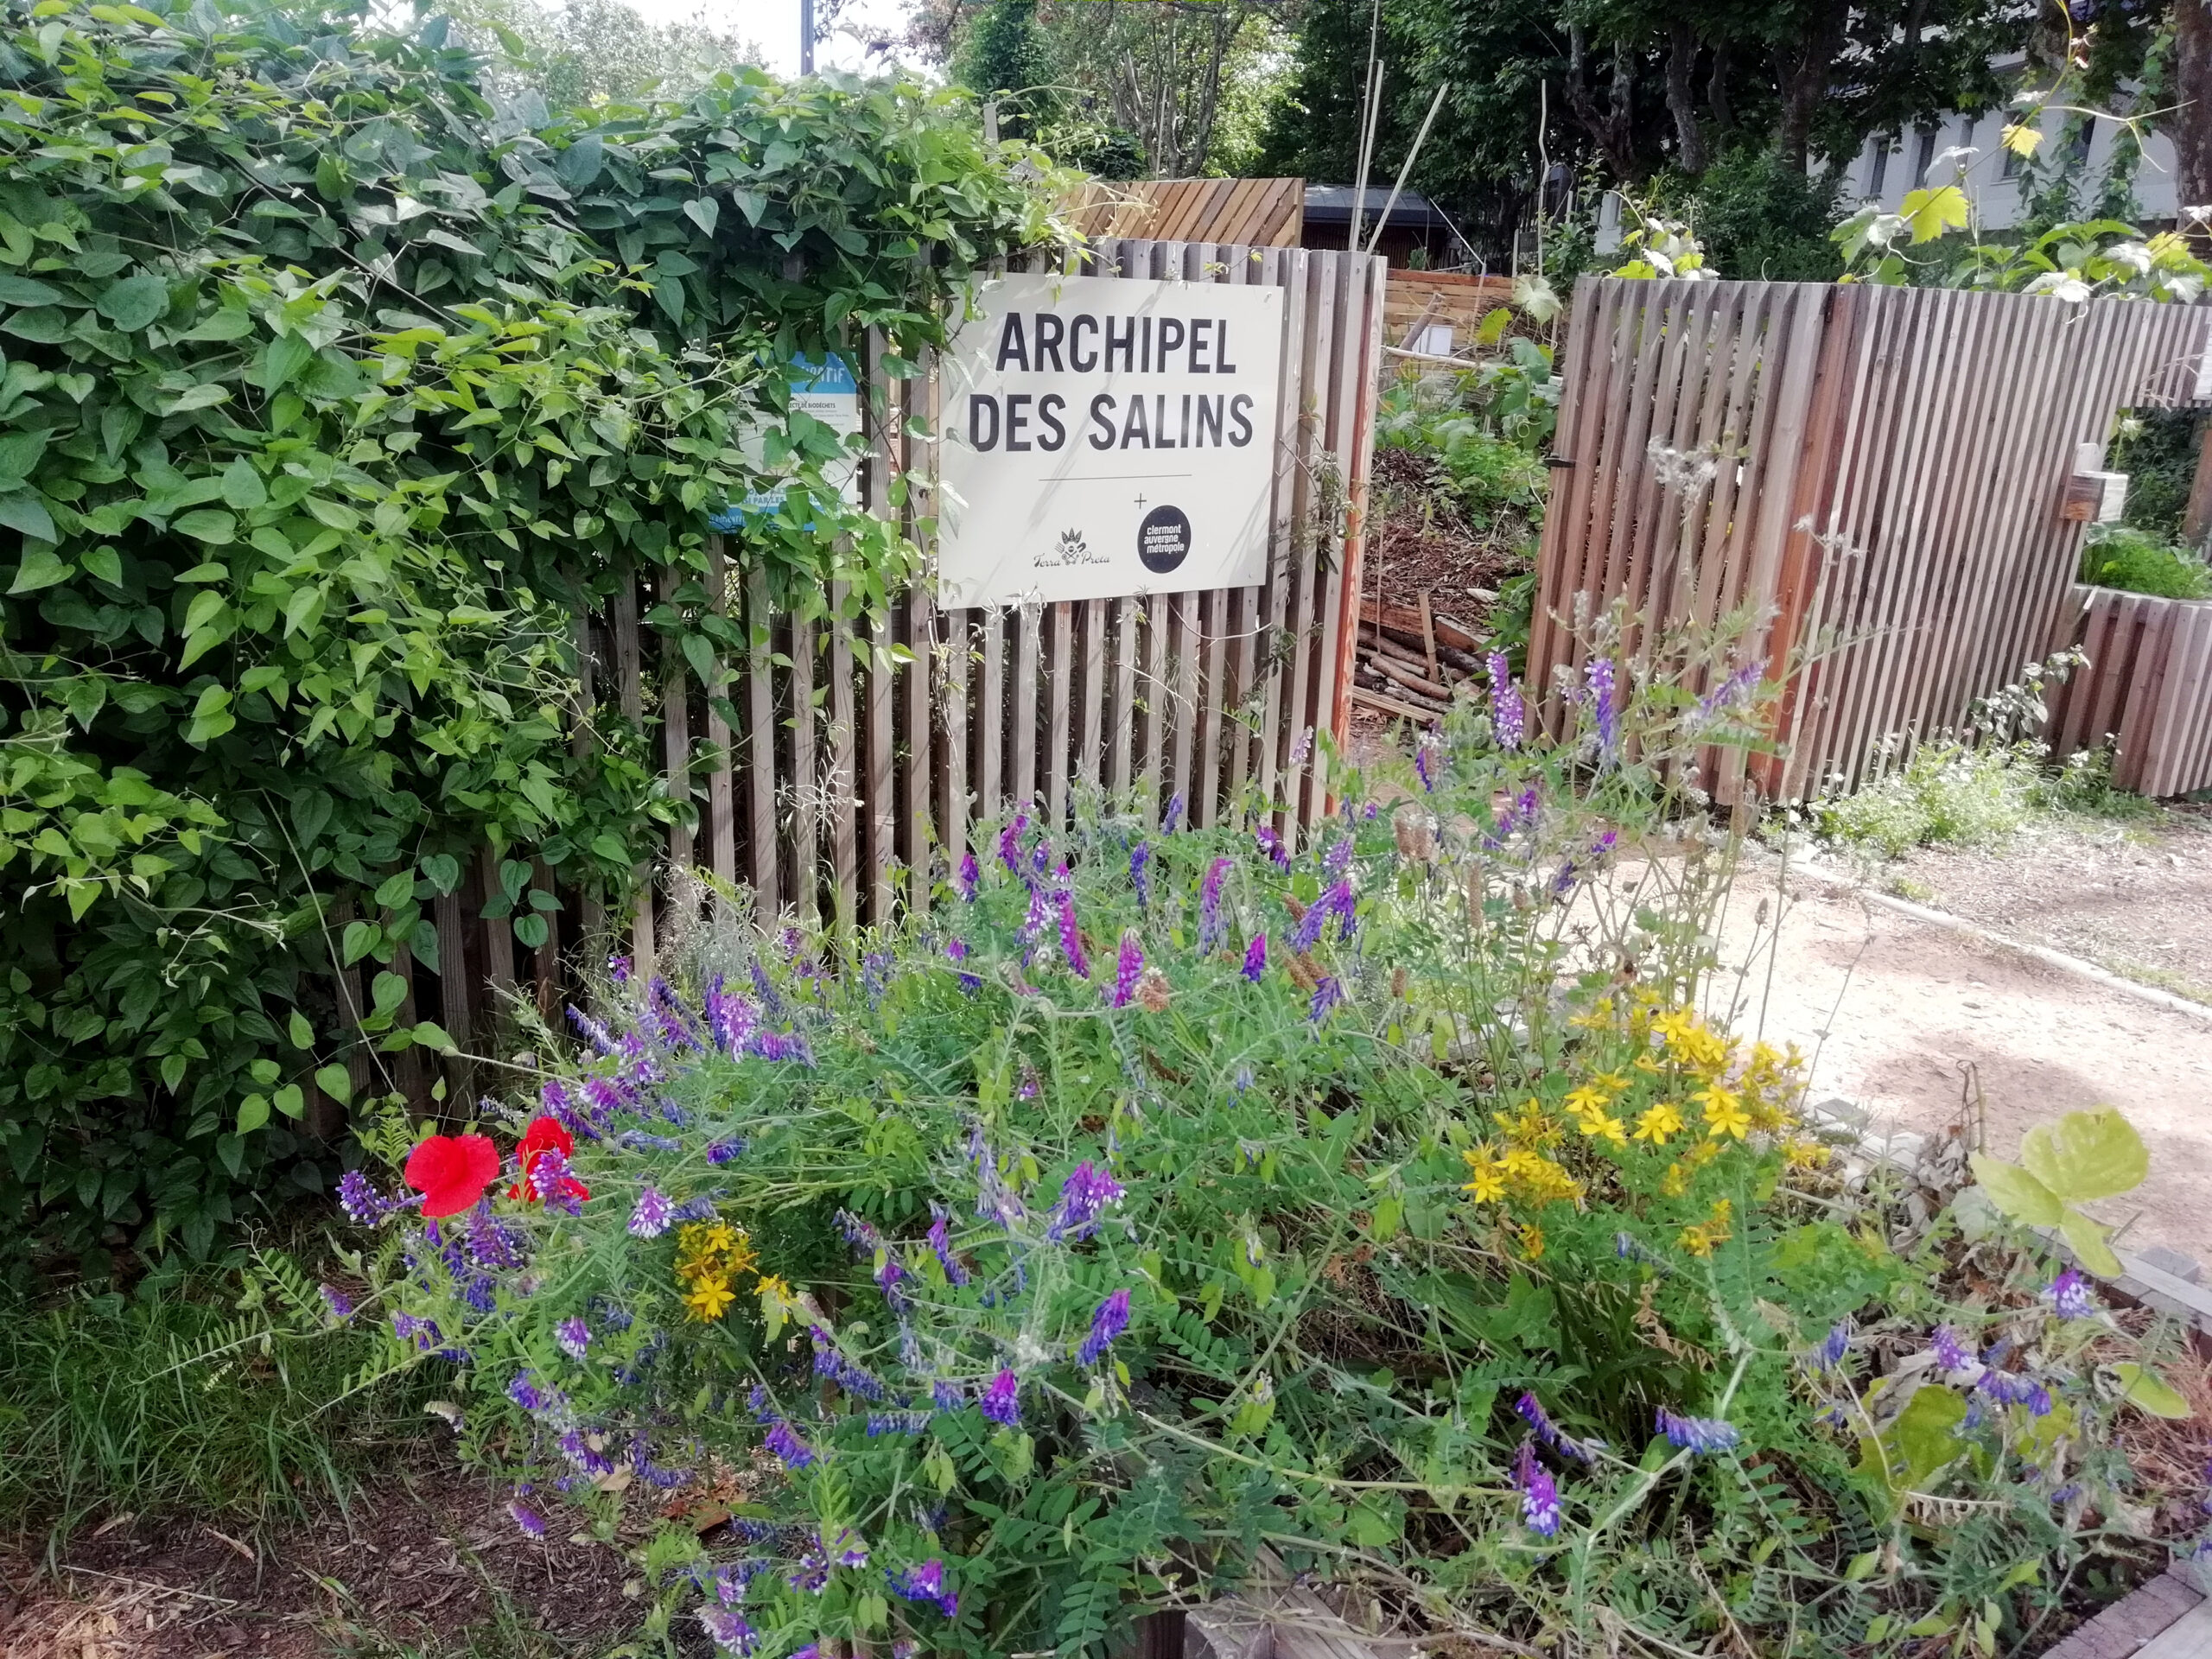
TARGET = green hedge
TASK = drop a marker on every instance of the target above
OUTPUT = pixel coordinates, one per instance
(331, 392)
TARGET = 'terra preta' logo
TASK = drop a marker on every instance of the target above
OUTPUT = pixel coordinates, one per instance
(1164, 539)
(1073, 547)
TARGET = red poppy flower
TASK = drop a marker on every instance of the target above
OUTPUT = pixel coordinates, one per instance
(452, 1171)
(545, 1134)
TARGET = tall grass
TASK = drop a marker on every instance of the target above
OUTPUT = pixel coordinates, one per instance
(185, 1396)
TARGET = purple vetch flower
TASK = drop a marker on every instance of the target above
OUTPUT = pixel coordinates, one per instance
(1951, 1352)
(1698, 1433)
(531, 1522)
(1039, 916)
(572, 1336)
(968, 878)
(1010, 843)
(1139, 855)
(848, 1548)
(1271, 844)
(957, 950)
(858, 1232)
(336, 1302)
(729, 1149)
(550, 1178)
(1301, 749)
(940, 1237)
(995, 1198)
(1210, 925)
(1338, 859)
(947, 1395)
(1424, 754)
(1533, 1413)
(783, 1440)
(1601, 678)
(590, 1030)
(2013, 1388)
(617, 970)
(1326, 995)
(577, 1448)
(1255, 958)
(810, 1576)
(1725, 698)
(364, 1206)
(1509, 715)
(2069, 1295)
(1001, 1402)
(727, 1629)
(1072, 938)
(880, 1423)
(1087, 1191)
(876, 969)
(1173, 819)
(1107, 1320)
(524, 1392)
(1539, 1493)
(651, 1217)
(924, 1583)
(1129, 966)
(1833, 1347)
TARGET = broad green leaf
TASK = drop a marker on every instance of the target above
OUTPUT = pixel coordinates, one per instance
(242, 486)
(134, 302)
(703, 212)
(336, 1081)
(2019, 139)
(442, 871)
(205, 394)
(395, 889)
(208, 524)
(386, 992)
(358, 940)
(2087, 1240)
(2087, 1156)
(40, 569)
(22, 290)
(429, 1034)
(2145, 1388)
(1921, 1441)
(25, 510)
(298, 1029)
(2015, 1192)
(286, 356)
(253, 1112)
(532, 930)
(290, 1100)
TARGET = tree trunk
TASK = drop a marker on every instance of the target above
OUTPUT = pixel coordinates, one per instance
(1804, 82)
(1716, 89)
(1682, 96)
(1609, 129)
(2190, 126)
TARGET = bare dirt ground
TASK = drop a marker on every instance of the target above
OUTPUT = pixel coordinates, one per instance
(1904, 1018)
(431, 1566)
(2133, 897)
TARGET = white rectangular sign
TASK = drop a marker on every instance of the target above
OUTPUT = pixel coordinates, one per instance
(1106, 436)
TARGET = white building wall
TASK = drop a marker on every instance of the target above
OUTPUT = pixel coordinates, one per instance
(1889, 167)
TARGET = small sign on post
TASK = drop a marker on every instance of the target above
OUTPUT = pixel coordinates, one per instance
(824, 391)
(1107, 436)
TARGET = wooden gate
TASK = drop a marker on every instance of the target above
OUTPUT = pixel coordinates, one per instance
(852, 763)
(1878, 471)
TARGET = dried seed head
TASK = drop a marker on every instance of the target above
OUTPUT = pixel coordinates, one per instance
(1152, 991)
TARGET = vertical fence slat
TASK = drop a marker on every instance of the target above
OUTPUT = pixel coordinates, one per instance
(1062, 666)
(806, 780)
(760, 743)
(721, 782)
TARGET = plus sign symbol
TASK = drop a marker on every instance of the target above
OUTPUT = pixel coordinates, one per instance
(1139, 503)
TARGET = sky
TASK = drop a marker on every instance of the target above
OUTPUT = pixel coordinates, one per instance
(773, 26)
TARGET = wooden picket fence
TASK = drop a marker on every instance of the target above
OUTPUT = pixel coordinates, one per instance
(1878, 472)
(2147, 690)
(853, 764)
(1257, 212)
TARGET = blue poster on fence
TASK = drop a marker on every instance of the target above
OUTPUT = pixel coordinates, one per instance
(827, 392)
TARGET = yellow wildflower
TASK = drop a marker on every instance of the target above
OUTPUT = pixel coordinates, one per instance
(1801, 1152)
(1532, 1241)
(1677, 1180)
(1697, 1240)
(1584, 1100)
(1489, 1183)
(1600, 1015)
(1610, 1082)
(709, 1298)
(1659, 1124)
(1603, 1126)
(1674, 1025)
(1647, 1061)
(1723, 1113)
(1528, 1125)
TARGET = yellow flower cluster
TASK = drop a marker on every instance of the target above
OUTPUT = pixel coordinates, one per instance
(709, 1254)
(1699, 1239)
(1528, 1174)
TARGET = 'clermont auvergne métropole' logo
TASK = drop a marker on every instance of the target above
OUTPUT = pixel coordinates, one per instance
(1164, 539)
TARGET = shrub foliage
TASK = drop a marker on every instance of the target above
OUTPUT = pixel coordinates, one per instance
(333, 393)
